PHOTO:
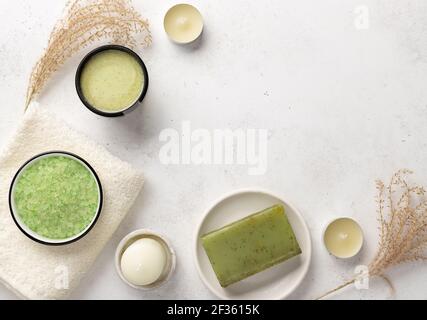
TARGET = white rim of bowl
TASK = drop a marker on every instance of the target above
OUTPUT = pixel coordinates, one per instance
(140, 234)
(34, 235)
(332, 221)
(234, 193)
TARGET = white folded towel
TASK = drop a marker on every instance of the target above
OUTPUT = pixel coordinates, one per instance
(37, 271)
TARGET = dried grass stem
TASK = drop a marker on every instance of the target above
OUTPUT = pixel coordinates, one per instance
(85, 22)
(402, 218)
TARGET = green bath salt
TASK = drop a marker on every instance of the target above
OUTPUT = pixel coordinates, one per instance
(57, 197)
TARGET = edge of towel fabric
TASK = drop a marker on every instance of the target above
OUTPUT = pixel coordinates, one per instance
(36, 271)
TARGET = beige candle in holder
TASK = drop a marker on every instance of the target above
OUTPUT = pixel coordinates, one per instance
(183, 23)
(343, 237)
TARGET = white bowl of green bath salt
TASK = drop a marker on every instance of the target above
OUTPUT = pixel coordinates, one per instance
(55, 198)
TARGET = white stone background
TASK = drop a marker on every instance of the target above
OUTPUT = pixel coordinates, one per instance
(343, 106)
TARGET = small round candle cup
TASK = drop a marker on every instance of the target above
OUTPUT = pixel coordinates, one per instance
(183, 23)
(343, 237)
(126, 108)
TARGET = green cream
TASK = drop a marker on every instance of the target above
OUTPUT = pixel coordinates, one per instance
(112, 80)
(57, 197)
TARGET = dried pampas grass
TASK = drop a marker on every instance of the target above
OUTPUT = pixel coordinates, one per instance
(402, 217)
(85, 22)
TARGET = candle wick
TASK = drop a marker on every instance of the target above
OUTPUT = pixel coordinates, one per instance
(182, 21)
(343, 235)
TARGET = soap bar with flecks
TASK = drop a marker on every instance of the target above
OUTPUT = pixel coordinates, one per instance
(250, 245)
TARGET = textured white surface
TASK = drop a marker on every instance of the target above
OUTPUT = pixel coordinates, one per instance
(343, 106)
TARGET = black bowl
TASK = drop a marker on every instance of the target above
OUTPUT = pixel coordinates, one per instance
(88, 57)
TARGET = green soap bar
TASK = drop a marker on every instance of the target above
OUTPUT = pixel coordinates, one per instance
(250, 245)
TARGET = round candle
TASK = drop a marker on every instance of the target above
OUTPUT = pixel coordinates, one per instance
(143, 262)
(183, 23)
(343, 238)
(112, 80)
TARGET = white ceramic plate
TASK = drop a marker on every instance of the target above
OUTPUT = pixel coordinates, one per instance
(276, 282)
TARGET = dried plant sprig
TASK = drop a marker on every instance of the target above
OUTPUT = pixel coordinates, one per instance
(85, 22)
(402, 217)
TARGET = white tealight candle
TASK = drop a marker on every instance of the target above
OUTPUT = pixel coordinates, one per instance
(343, 238)
(183, 23)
